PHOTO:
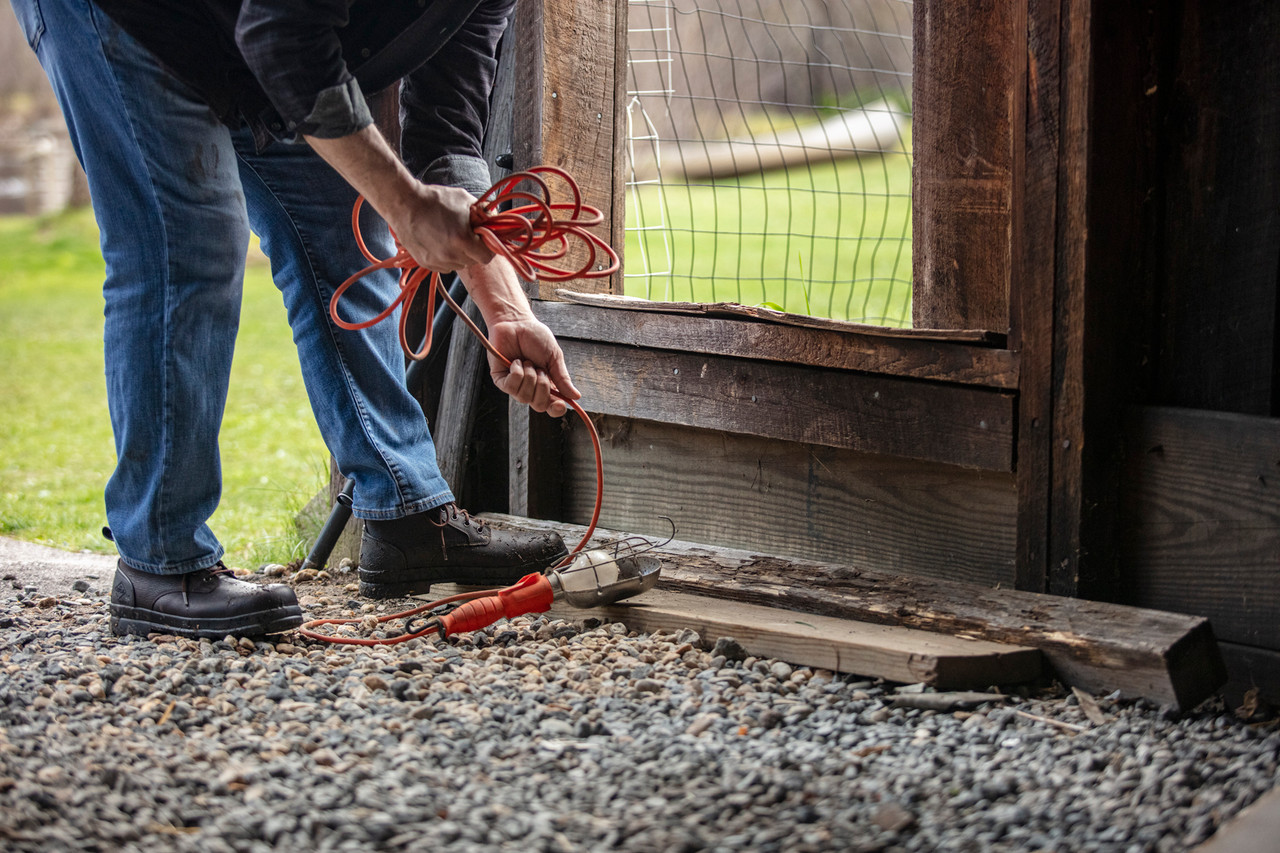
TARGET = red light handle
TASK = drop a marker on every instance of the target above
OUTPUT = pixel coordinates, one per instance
(531, 594)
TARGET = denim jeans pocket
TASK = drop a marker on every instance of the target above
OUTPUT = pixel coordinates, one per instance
(30, 19)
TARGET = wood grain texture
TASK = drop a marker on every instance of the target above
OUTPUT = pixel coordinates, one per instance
(1164, 657)
(964, 87)
(960, 425)
(738, 311)
(941, 361)
(1201, 519)
(1065, 474)
(897, 654)
(1218, 345)
(572, 119)
(536, 471)
(817, 503)
(1032, 292)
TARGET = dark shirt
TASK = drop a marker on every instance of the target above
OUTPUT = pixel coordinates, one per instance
(291, 67)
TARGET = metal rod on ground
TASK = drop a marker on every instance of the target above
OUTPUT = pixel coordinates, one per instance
(332, 529)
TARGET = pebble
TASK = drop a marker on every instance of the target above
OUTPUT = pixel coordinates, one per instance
(542, 734)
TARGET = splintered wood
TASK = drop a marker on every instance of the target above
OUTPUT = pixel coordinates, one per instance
(1167, 658)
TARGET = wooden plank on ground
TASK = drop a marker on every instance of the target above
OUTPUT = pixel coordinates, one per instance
(1201, 519)
(1254, 830)
(1164, 657)
(842, 645)
(958, 425)
(872, 352)
(905, 655)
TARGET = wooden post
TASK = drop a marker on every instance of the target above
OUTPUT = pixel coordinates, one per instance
(1084, 282)
(467, 367)
(571, 113)
(967, 57)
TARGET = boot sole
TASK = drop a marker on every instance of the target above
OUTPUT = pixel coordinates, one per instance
(140, 621)
(474, 578)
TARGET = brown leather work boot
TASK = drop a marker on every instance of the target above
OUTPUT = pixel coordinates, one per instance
(405, 556)
(208, 603)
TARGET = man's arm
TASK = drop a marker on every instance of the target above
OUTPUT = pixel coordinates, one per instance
(434, 224)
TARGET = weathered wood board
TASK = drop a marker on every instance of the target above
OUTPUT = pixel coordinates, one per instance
(738, 311)
(571, 119)
(965, 87)
(1164, 657)
(897, 516)
(959, 425)
(1200, 519)
(874, 350)
(841, 645)
(1221, 209)
(1253, 830)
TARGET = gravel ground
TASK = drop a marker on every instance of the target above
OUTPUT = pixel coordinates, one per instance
(549, 735)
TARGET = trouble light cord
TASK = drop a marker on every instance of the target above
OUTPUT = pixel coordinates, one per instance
(533, 233)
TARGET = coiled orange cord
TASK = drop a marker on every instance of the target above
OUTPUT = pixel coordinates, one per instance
(531, 237)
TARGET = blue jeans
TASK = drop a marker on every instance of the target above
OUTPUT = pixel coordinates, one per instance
(175, 193)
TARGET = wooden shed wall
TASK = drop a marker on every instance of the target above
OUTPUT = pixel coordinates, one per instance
(1111, 199)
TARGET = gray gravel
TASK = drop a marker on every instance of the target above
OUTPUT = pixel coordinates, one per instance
(547, 735)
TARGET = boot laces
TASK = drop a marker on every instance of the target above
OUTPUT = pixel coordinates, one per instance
(210, 573)
(451, 512)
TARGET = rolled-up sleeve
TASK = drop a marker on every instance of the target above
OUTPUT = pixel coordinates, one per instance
(444, 104)
(292, 48)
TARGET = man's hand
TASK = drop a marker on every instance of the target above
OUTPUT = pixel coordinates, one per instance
(537, 362)
(535, 370)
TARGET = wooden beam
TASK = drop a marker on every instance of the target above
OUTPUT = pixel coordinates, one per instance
(1164, 657)
(879, 651)
(572, 109)
(535, 463)
(1031, 294)
(467, 366)
(959, 425)
(459, 399)
(898, 516)
(738, 311)
(1253, 830)
(870, 352)
(1200, 519)
(966, 64)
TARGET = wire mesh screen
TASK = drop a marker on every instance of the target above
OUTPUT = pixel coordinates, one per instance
(770, 159)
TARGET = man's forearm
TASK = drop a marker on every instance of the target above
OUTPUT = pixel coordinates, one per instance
(432, 222)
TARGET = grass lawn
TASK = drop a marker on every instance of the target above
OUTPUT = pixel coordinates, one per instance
(56, 451)
(831, 241)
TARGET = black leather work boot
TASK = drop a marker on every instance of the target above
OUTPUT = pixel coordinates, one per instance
(405, 556)
(208, 603)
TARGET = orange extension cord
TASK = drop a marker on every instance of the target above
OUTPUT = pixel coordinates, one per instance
(531, 237)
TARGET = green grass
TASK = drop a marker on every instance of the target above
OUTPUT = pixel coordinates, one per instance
(56, 451)
(831, 241)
